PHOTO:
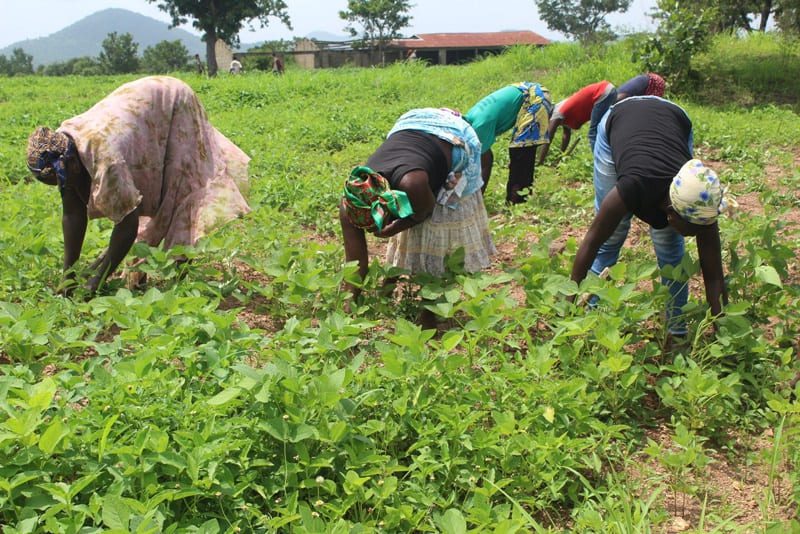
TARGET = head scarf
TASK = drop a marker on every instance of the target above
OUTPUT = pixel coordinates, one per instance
(47, 154)
(368, 200)
(697, 194)
(655, 85)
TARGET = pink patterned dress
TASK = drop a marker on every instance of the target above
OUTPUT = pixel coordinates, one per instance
(149, 144)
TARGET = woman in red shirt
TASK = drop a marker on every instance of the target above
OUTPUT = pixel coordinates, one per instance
(586, 105)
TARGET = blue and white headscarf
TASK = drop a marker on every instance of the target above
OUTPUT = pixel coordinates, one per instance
(448, 125)
(697, 195)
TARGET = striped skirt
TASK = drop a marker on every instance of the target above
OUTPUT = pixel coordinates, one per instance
(423, 248)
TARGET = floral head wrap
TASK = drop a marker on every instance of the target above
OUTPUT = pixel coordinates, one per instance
(368, 200)
(47, 153)
(697, 194)
(655, 85)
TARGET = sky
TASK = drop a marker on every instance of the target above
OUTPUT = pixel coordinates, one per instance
(23, 19)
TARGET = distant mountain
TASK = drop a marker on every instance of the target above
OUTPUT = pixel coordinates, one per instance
(85, 37)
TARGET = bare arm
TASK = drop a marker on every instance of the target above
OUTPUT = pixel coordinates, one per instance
(73, 225)
(122, 237)
(415, 185)
(552, 127)
(612, 210)
(487, 160)
(355, 247)
(709, 250)
(565, 138)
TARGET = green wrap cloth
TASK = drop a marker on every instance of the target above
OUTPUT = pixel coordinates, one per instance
(369, 200)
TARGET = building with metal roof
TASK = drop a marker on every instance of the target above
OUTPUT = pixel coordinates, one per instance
(450, 48)
(434, 48)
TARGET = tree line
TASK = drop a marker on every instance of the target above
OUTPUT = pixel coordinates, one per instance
(684, 29)
(119, 55)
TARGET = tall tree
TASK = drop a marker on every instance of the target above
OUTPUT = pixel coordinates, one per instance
(584, 20)
(683, 31)
(222, 19)
(166, 56)
(380, 20)
(120, 54)
(787, 16)
(20, 62)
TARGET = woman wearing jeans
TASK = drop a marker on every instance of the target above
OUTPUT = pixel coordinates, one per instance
(643, 166)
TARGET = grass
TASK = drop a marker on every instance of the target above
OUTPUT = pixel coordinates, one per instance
(242, 397)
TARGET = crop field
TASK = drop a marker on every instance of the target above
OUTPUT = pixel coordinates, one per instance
(234, 394)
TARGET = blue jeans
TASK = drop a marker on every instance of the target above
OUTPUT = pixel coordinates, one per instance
(598, 111)
(668, 243)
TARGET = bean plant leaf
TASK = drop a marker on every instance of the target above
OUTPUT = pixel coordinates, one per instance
(42, 394)
(549, 414)
(282, 430)
(116, 513)
(451, 339)
(54, 433)
(768, 275)
(452, 522)
(104, 436)
(224, 396)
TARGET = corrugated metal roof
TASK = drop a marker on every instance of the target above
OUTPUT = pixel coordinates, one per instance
(471, 40)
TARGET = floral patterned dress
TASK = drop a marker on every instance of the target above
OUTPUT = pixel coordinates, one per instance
(149, 144)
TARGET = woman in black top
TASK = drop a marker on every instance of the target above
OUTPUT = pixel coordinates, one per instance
(643, 166)
(422, 188)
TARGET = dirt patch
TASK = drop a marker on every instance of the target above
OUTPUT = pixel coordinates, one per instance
(732, 487)
(254, 314)
(311, 233)
(750, 203)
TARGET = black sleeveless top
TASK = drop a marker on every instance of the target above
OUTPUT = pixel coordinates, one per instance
(410, 150)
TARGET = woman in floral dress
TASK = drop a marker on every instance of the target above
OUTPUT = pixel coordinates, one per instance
(147, 158)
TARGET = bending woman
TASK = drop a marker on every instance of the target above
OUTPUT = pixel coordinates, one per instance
(147, 158)
(586, 105)
(422, 188)
(643, 166)
(650, 84)
(526, 107)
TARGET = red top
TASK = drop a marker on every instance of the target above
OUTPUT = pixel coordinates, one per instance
(577, 109)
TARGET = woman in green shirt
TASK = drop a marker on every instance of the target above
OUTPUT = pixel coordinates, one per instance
(525, 107)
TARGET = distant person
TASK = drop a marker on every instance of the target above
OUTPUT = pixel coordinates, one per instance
(147, 158)
(643, 166)
(198, 63)
(235, 67)
(526, 107)
(411, 55)
(422, 189)
(277, 64)
(650, 84)
(586, 105)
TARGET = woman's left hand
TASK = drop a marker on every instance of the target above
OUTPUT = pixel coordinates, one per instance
(395, 227)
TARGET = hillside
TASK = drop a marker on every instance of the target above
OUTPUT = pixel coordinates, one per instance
(84, 37)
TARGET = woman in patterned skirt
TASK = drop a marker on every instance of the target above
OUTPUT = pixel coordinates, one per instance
(422, 189)
(147, 158)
